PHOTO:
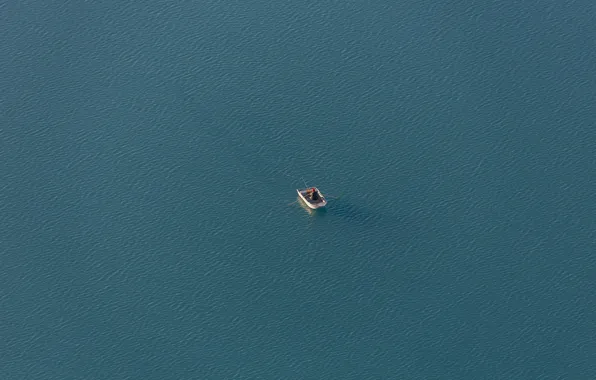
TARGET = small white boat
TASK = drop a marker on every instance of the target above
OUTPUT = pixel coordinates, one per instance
(312, 197)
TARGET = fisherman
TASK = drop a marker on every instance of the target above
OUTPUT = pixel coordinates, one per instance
(314, 194)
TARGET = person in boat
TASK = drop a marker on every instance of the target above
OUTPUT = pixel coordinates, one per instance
(314, 195)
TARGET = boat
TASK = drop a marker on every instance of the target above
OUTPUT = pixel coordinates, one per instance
(308, 194)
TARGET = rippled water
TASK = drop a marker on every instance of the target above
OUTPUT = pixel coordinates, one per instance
(151, 154)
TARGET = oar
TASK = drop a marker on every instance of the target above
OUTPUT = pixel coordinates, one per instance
(334, 197)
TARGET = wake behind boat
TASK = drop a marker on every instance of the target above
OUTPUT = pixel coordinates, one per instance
(312, 197)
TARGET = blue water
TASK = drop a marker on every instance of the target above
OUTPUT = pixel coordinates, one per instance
(151, 151)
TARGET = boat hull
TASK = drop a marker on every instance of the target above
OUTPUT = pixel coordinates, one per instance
(313, 205)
